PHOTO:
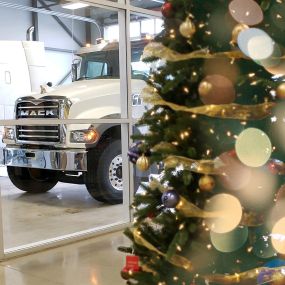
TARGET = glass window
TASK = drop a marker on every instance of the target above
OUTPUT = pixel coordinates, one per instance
(147, 26)
(148, 4)
(58, 176)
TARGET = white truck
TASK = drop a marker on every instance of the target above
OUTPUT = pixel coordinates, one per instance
(38, 157)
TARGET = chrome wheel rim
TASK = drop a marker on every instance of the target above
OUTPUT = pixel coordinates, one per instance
(115, 173)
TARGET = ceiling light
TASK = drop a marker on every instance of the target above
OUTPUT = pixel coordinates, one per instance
(74, 6)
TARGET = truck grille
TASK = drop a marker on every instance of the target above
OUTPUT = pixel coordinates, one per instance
(38, 109)
(38, 133)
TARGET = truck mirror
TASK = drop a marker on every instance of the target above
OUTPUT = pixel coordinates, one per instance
(74, 67)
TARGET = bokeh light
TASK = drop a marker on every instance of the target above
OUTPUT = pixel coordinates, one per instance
(255, 43)
(253, 147)
(231, 241)
(259, 193)
(278, 236)
(234, 174)
(262, 246)
(246, 12)
(229, 213)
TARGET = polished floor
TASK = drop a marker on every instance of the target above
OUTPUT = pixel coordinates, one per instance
(64, 210)
(92, 262)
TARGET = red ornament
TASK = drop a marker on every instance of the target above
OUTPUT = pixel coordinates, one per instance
(132, 266)
(167, 10)
(276, 166)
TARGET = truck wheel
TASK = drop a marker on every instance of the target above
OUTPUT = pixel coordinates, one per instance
(32, 180)
(104, 179)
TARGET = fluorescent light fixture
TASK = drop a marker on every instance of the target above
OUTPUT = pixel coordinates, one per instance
(74, 6)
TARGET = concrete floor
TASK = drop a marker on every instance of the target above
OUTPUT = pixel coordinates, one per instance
(92, 262)
(66, 209)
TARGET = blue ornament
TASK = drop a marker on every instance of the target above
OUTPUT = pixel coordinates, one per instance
(275, 263)
(170, 199)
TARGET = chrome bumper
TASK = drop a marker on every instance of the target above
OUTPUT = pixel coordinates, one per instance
(65, 160)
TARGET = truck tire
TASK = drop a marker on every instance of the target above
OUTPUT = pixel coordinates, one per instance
(32, 180)
(104, 176)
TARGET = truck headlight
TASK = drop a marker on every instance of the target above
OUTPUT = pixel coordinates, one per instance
(84, 136)
(9, 133)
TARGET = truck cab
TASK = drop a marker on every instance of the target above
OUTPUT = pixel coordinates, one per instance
(39, 156)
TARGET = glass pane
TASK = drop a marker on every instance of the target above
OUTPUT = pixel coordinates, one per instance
(48, 193)
(145, 29)
(148, 4)
(60, 179)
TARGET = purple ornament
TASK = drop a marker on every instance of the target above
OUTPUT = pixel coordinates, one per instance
(134, 152)
(265, 276)
(170, 199)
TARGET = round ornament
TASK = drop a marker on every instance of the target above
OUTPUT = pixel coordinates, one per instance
(170, 199)
(206, 183)
(231, 241)
(134, 152)
(276, 166)
(253, 147)
(167, 9)
(143, 163)
(216, 89)
(246, 12)
(280, 91)
(237, 29)
(187, 28)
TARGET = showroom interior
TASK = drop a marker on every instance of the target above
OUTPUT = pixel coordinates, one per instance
(70, 83)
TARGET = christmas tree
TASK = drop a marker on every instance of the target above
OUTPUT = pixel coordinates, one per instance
(215, 214)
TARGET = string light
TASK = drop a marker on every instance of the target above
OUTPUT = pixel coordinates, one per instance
(172, 34)
(178, 248)
(181, 227)
(186, 90)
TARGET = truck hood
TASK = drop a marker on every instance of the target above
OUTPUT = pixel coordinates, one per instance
(97, 98)
(81, 90)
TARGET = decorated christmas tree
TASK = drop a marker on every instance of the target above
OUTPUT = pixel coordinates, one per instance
(215, 214)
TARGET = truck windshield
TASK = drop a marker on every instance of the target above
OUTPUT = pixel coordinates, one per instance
(100, 64)
(105, 64)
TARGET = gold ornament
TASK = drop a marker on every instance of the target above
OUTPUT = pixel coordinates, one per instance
(207, 183)
(237, 29)
(204, 88)
(143, 163)
(280, 91)
(187, 28)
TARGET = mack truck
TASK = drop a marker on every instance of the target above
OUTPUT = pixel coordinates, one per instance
(39, 156)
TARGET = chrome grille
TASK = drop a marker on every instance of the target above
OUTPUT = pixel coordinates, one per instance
(38, 133)
(38, 109)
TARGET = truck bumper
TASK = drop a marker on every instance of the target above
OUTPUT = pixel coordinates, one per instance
(65, 160)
